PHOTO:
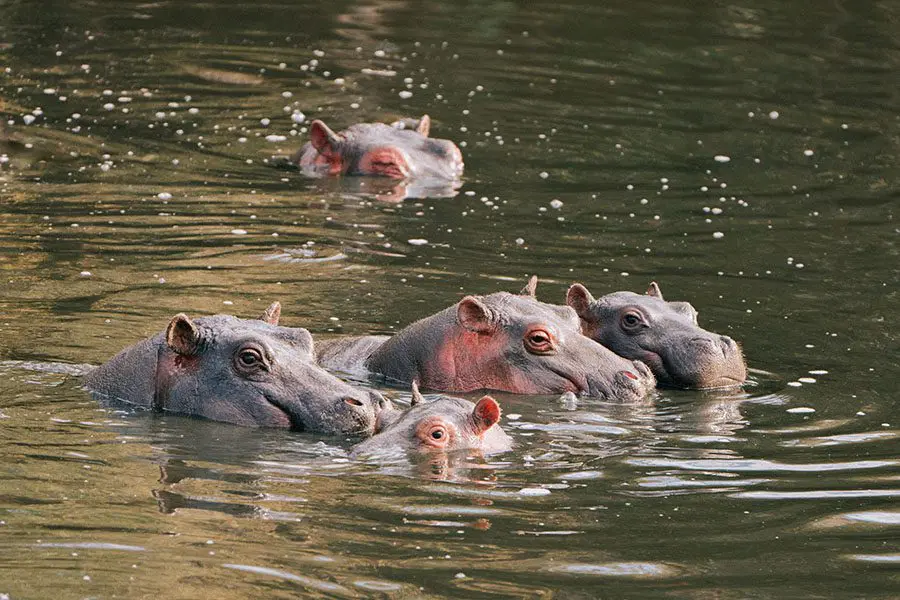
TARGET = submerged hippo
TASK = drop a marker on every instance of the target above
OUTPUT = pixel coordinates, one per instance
(243, 371)
(445, 424)
(399, 151)
(664, 335)
(502, 341)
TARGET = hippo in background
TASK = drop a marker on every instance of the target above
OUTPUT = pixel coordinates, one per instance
(664, 335)
(444, 424)
(502, 341)
(399, 151)
(249, 372)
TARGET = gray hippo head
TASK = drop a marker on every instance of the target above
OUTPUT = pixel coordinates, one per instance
(444, 424)
(664, 335)
(513, 343)
(398, 152)
(243, 371)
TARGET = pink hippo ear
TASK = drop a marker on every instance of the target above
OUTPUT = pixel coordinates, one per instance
(182, 335)
(424, 126)
(486, 414)
(530, 288)
(272, 314)
(653, 291)
(579, 298)
(474, 315)
(323, 138)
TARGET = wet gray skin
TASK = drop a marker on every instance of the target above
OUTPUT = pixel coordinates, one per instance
(249, 372)
(664, 335)
(398, 151)
(502, 341)
(444, 424)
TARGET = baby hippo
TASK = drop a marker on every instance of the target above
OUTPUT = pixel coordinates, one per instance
(441, 425)
(401, 151)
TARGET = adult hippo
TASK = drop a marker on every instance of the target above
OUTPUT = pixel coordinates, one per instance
(399, 151)
(445, 424)
(249, 372)
(664, 335)
(501, 341)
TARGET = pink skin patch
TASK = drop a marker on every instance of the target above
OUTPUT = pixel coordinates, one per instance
(387, 162)
(630, 375)
(486, 415)
(469, 361)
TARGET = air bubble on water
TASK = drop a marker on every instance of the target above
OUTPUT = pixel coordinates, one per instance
(794, 383)
(808, 153)
(239, 231)
(555, 203)
(85, 273)
(718, 235)
(534, 492)
(265, 121)
(774, 115)
(276, 138)
(721, 158)
(417, 241)
(109, 106)
(801, 410)
(818, 372)
(405, 94)
(544, 174)
(164, 196)
(806, 379)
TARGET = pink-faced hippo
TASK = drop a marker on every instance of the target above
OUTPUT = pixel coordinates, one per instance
(501, 341)
(249, 372)
(399, 151)
(445, 424)
(664, 335)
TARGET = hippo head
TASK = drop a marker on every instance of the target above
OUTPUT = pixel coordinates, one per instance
(243, 371)
(398, 152)
(444, 424)
(513, 343)
(665, 335)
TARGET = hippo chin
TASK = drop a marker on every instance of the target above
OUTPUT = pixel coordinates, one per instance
(444, 424)
(502, 341)
(248, 372)
(664, 335)
(399, 151)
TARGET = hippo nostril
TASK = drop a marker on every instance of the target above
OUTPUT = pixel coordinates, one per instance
(630, 375)
(352, 401)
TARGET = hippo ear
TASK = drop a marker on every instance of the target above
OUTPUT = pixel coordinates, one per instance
(653, 291)
(417, 397)
(323, 138)
(530, 288)
(579, 298)
(424, 126)
(686, 309)
(474, 315)
(272, 314)
(486, 414)
(182, 335)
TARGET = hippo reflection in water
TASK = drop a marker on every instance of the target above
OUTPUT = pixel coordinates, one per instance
(664, 335)
(502, 341)
(399, 151)
(249, 372)
(444, 424)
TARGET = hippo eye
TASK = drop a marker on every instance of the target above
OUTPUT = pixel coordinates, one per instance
(539, 341)
(632, 320)
(250, 358)
(434, 432)
(437, 434)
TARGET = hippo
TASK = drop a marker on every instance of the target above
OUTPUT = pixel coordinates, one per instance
(664, 335)
(502, 341)
(445, 424)
(399, 151)
(249, 372)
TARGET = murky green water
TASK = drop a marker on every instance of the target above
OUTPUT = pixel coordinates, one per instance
(144, 187)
